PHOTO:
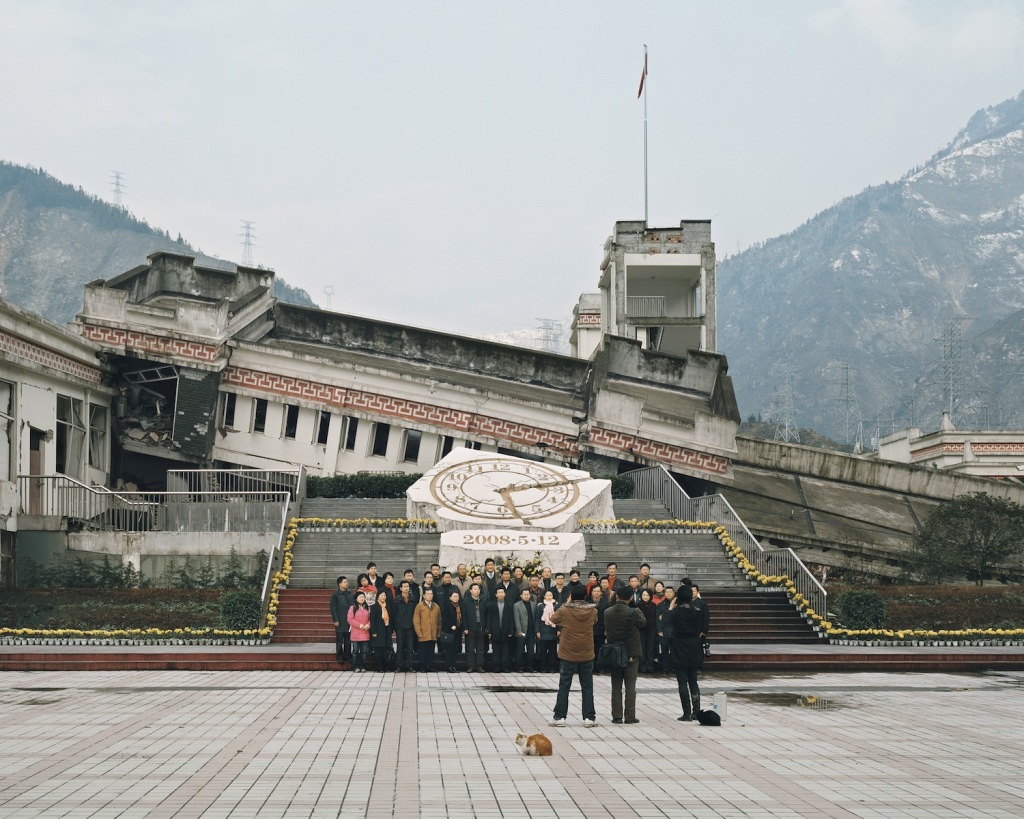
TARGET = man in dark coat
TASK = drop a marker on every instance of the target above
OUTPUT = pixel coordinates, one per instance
(501, 627)
(622, 624)
(341, 602)
(474, 622)
(525, 616)
(405, 607)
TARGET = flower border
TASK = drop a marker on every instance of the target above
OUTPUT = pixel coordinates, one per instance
(870, 636)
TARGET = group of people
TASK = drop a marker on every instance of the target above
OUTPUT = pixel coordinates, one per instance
(544, 622)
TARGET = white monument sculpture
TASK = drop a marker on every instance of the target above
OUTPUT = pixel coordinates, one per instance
(491, 505)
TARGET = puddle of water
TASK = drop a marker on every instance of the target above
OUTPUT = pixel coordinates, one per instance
(787, 700)
(518, 689)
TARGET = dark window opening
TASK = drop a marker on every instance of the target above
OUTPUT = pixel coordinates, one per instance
(447, 445)
(259, 415)
(380, 439)
(412, 445)
(227, 418)
(291, 421)
(351, 428)
(323, 426)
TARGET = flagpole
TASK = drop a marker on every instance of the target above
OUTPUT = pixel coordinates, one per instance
(645, 136)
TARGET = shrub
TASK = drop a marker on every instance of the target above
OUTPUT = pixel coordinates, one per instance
(241, 609)
(622, 487)
(361, 485)
(861, 608)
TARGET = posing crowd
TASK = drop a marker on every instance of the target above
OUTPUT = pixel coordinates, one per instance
(511, 622)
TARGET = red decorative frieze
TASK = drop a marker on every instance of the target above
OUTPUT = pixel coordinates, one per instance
(659, 451)
(937, 449)
(15, 345)
(998, 448)
(148, 343)
(588, 320)
(978, 448)
(400, 408)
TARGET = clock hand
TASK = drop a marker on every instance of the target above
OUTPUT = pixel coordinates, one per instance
(518, 487)
(509, 503)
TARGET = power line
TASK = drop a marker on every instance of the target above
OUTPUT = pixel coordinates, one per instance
(952, 364)
(551, 335)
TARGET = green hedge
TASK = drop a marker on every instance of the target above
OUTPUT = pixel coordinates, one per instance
(240, 609)
(861, 609)
(396, 484)
(361, 485)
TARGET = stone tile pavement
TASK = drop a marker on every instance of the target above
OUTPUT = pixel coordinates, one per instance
(336, 744)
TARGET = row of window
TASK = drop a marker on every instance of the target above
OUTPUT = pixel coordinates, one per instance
(380, 435)
(70, 440)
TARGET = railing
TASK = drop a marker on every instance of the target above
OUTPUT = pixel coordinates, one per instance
(273, 551)
(645, 306)
(291, 481)
(655, 483)
(100, 509)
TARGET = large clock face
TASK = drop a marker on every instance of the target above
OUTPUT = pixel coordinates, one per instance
(504, 490)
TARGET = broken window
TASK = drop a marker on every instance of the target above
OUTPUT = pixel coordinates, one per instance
(351, 428)
(97, 437)
(227, 409)
(323, 427)
(291, 421)
(259, 414)
(412, 445)
(6, 427)
(70, 436)
(381, 432)
(447, 444)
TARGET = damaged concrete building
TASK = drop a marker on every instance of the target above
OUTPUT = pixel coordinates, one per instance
(213, 371)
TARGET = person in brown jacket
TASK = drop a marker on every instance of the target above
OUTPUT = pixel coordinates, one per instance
(426, 622)
(575, 621)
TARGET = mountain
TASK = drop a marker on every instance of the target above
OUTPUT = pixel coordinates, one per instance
(54, 238)
(878, 304)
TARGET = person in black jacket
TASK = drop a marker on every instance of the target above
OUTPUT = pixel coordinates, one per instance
(665, 630)
(404, 607)
(687, 651)
(649, 633)
(451, 628)
(622, 624)
(502, 630)
(341, 602)
(382, 630)
(474, 623)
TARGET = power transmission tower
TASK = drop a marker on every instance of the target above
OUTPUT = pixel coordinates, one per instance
(248, 234)
(850, 423)
(953, 364)
(118, 187)
(551, 335)
(781, 412)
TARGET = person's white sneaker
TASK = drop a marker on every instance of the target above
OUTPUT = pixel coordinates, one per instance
(589, 723)
(557, 723)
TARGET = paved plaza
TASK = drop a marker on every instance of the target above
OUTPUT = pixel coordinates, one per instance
(327, 744)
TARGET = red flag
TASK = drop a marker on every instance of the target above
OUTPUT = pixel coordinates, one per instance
(643, 76)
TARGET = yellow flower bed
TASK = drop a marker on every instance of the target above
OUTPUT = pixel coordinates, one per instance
(362, 524)
(593, 524)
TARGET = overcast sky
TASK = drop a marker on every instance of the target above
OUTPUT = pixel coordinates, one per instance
(458, 165)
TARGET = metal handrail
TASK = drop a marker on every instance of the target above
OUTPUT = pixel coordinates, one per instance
(645, 306)
(657, 483)
(104, 510)
(236, 480)
(274, 549)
